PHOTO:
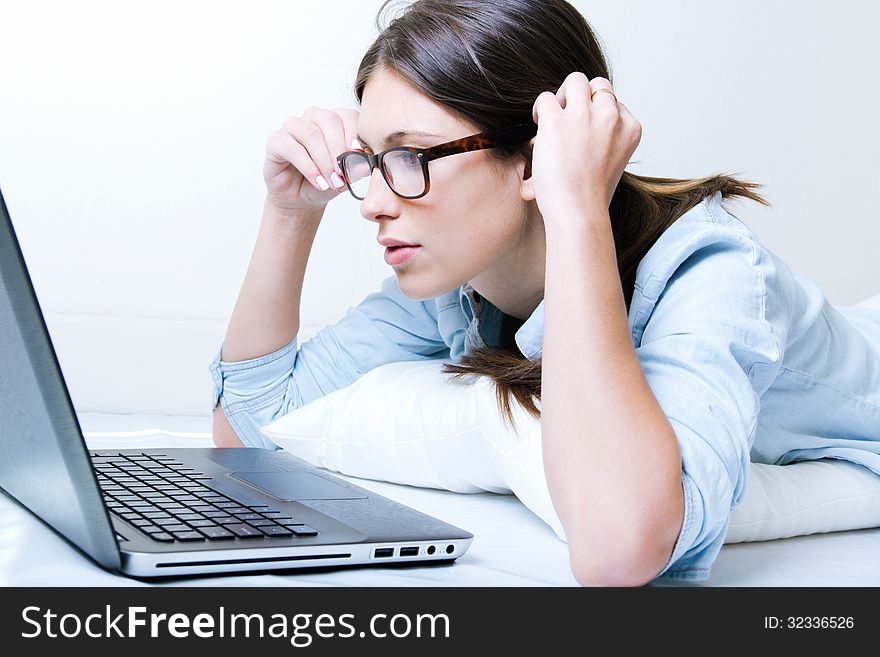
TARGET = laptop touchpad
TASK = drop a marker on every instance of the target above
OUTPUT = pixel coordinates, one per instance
(293, 486)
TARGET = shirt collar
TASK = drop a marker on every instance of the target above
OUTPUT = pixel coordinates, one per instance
(529, 337)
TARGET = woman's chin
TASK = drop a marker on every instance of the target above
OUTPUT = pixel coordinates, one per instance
(418, 287)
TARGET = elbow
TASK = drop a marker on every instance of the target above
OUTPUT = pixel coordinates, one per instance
(632, 560)
(619, 570)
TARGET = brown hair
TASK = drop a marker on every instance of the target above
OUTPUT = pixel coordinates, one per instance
(486, 61)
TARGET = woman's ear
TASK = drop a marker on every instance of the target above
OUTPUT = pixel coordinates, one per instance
(526, 191)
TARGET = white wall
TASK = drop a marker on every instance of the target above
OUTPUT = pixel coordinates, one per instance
(132, 137)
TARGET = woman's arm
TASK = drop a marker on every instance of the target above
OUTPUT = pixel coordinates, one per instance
(611, 457)
(266, 314)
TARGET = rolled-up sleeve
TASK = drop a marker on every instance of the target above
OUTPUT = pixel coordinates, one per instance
(254, 392)
(709, 352)
(385, 327)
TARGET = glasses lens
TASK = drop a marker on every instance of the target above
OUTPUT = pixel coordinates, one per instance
(357, 171)
(404, 171)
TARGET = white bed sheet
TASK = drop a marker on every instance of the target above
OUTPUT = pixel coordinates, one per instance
(511, 547)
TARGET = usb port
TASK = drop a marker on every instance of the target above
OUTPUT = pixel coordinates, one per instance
(409, 551)
(384, 552)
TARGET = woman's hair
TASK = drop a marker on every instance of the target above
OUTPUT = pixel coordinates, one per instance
(486, 61)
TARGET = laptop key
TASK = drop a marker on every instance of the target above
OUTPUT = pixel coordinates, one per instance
(262, 522)
(174, 527)
(237, 509)
(215, 533)
(188, 536)
(304, 530)
(202, 523)
(172, 507)
(188, 516)
(244, 531)
(165, 538)
(275, 530)
(157, 516)
(210, 496)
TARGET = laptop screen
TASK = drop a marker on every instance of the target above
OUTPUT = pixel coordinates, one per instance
(44, 463)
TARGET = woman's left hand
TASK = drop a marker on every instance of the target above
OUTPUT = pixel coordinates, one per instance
(582, 146)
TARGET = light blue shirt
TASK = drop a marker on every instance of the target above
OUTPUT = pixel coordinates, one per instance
(748, 360)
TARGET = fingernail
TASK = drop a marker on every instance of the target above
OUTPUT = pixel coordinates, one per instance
(336, 180)
(322, 184)
(355, 144)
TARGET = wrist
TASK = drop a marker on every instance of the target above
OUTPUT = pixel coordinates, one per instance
(291, 217)
(576, 215)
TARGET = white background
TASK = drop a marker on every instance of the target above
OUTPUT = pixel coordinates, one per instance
(132, 137)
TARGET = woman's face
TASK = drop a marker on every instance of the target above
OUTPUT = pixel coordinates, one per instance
(470, 222)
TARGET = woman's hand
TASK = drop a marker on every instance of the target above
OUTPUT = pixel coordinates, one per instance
(582, 146)
(300, 169)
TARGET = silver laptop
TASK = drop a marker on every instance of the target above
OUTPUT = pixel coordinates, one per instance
(183, 511)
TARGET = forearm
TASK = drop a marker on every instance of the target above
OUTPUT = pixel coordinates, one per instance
(610, 455)
(266, 313)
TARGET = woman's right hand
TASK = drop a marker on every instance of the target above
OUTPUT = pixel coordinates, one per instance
(304, 149)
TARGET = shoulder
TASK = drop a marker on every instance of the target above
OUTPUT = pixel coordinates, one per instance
(712, 292)
(710, 275)
(710, 261)
(706, 237)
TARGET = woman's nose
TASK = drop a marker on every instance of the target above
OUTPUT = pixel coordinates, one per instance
(379, 199)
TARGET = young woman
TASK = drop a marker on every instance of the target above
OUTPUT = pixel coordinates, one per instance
(668, 347)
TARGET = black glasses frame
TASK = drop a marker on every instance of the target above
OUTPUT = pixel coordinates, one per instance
(494, 138)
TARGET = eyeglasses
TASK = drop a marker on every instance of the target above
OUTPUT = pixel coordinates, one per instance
(405, 168)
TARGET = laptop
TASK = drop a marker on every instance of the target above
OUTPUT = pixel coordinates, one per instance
(149, 513)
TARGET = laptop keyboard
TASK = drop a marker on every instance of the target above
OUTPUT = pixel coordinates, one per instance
(170, 502)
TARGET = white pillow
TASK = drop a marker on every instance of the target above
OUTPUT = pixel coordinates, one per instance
(408, 423)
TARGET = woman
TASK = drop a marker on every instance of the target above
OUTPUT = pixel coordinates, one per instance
(667, 345)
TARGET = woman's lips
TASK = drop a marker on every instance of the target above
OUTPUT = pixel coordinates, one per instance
(396, 255)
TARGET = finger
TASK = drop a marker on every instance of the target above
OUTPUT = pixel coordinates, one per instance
(607, 99)
(282, 148)
(311, 136)
(633, 124)
(544, 105)
(333, 132)
(625, 113)
(350, 123)
(574, 91)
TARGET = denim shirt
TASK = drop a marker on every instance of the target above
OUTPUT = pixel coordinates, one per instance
(749, 361)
